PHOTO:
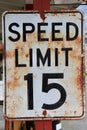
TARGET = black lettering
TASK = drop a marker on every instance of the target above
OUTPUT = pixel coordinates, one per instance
(40, 31)
(14, 31)
(16, 60)
(66, 55)
(68, 32)
(54, 31)
(31, 57)
(25, 31)
(29, 78)
(56, 56)
(43, 59)
(46, 87)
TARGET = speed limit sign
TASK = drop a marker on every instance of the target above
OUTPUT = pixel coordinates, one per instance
(43, 65)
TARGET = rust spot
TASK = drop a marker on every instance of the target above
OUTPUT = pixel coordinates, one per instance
(12, 84)
(66, 113)
(75, 112)
(79, 78)
(52, 45)
(27, 55)
(67, 104)
(30, 38)
(44, 113)
(10, 54)
(78, 41)
(72, 14)
(19, 47)
(20, 99)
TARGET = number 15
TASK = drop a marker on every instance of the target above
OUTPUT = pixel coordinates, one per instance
(45, 88)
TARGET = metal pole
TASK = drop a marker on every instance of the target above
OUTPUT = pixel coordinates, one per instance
(54, 125)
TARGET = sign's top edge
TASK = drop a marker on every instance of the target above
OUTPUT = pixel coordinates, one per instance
(13, 11)
(46, 11)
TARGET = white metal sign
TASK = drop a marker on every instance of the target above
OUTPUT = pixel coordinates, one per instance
(44, 65)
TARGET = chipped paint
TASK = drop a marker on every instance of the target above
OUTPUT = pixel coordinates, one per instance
(65, 94)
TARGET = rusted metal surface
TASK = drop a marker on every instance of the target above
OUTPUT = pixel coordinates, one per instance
(44, 66)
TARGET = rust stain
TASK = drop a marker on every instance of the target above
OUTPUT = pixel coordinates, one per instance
(31, 38)
(66, 103)
(14, 77)
(66, 113)
(44, 113)
(27, 55)
(79, 77)
(72, 14)
(75, 112)
(58, 44)
(13, 84)
(78, 40)
(10, 54)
